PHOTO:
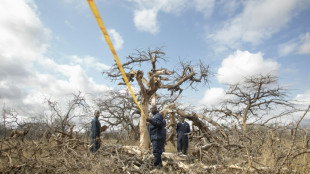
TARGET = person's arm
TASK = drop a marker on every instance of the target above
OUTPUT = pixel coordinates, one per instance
(178, 127)
(156, 121)
(92, 129)
(188, 128)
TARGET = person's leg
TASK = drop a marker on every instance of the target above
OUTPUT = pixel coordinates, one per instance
(92, 145)
(185, 145)
(97, 145)
(162, 146)
(179, 142)
(157, 153)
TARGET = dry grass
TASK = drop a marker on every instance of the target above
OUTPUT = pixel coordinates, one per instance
(64, 155)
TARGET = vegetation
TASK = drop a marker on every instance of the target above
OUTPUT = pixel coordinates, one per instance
(245, 133)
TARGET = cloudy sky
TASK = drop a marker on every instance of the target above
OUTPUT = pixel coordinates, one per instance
(51, 49)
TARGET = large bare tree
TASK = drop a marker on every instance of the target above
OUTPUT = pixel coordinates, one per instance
(257, 100)
(150, 79)
(249, 128)
(121, 112)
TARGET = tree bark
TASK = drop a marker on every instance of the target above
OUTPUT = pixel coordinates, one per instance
(144, 133)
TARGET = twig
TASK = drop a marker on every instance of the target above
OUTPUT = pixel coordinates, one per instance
(9, 159)
(294, 138)
(118, 157)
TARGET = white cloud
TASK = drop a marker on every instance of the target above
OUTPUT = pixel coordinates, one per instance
(299, 45)
(171, 6)
(23, 40)
(89, 62)
(75, 79)
(204, 6)
(116, 39)
(213, 96)
(9, 90)
(146, 20)
(304, 98)
(305, 44)
(27, 77)
(229, 7)
(287, 48)
(257, 22)
(21, 30)
(243, 63)
(77, 4)
(145, 15)
(61, 80)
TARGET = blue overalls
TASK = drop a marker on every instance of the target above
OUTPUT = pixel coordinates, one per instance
(157, 136)
(94, 132)
(182, 130)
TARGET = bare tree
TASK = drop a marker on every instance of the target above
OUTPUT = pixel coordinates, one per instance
(4, 121)
(11, 119)
(119, 109)
(184, 75)
(267, 148)
(63, 116)
(257, 100)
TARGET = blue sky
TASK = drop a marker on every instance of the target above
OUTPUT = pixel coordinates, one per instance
(50, 49)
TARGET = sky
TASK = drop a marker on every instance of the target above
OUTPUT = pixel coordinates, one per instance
(51, 49)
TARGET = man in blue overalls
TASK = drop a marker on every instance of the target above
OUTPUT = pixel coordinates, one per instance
(95, 132)
(183, 130)
(157, 135)
(165, 133)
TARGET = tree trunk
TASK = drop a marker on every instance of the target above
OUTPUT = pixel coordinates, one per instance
(244, 123)
(153, 99)
(144, 133)
(4, 123)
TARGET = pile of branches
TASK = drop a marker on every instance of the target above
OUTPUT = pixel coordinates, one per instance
(261, 148)
(223, 149)
(62, 154)
(57, 154)
(65, 154)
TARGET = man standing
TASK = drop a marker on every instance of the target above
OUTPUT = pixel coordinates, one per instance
(156, 131)
(183, 130)
(95, 132)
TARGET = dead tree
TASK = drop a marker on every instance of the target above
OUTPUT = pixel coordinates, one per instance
(62, 116)
(289, 155)
(119, 109)
(11, 118)
(254, 101)
(262, 148)
(156, 78)
(198, 120)
(4, 121)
